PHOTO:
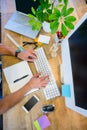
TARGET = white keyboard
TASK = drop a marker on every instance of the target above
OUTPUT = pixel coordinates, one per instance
(42, 66)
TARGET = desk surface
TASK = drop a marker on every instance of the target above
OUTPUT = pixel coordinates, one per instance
(16, 119)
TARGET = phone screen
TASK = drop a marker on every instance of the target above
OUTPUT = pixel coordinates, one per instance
(30, 103)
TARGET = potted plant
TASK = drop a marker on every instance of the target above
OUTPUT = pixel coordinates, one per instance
(56, 12)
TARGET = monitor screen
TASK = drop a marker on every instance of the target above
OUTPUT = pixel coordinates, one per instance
(24, 6)
(78, 53)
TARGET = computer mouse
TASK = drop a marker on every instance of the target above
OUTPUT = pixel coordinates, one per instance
(48, 108)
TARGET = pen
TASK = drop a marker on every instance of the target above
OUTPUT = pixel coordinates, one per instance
(20, 78)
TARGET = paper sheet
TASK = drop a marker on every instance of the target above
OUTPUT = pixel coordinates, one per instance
(44, 39)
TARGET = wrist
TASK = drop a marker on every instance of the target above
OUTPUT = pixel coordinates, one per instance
(18, 51)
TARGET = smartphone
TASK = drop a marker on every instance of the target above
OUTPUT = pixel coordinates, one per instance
(30, 103)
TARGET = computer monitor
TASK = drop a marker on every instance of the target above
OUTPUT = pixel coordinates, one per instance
(19, 21)
(24, 6)
(74, 65)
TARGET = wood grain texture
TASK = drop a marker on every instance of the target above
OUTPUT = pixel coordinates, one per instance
(62, 118)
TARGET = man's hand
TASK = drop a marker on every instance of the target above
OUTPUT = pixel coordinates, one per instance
(27, 55)
(38, 82)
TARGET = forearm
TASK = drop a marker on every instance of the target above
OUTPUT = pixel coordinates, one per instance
(6, 50)
(23, 55)
(12, 99)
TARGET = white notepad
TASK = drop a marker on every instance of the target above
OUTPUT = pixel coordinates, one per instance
(44, 39)
(15, 72)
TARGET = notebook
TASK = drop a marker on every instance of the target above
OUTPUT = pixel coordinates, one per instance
(15, 72)
(19, 20)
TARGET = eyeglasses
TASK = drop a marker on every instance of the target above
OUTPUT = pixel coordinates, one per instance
(30, 43)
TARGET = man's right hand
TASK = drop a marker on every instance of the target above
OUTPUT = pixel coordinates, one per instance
(38, 82)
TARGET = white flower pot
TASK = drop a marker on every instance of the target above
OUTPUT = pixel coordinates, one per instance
(46, 26)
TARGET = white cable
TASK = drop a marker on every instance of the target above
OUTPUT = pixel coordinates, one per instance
(13, 41)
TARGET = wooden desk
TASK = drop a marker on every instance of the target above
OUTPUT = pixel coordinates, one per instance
(16, 119)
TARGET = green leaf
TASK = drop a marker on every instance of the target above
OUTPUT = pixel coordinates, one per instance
(36, 24)
(59, 6)
(33, 10)
(34, 27)
(40, 15)
(39, 25)
(53, 17)
(39, 8)
(45, 17)
(41, 2)
(31, 21)
(69, 24)
(47, 6)
(68, 11)
(54, 26)
(49, 11)
(60, 0)
(63, 10)
(70, 18)
(64, 30)
(31, 16)
(56, 12)
(66, 2)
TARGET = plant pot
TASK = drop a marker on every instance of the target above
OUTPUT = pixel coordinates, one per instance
(46, 26)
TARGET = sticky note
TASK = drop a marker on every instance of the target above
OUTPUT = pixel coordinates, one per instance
(37, 125)
(42, 122)
(44, 39)
(66, 90)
